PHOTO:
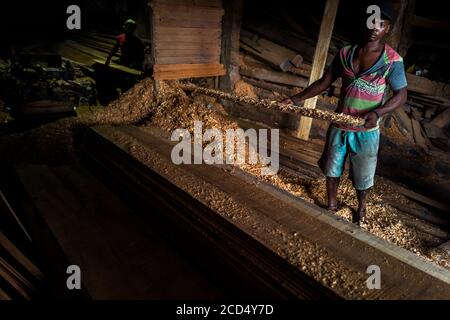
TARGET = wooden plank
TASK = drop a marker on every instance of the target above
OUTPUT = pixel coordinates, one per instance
(193, 72)
(166, 72)
(177, 67)
(204, 44)
(179, 8)
(4, 295)
(196, 74)
(442, 119)
(119, 67)
(423, 199)
(281, 37)
(268, 51)
(13, 215)
(186, 21)
(193, 38)
(417, 131)
(426, 86)
(430, 23)
(203, 3)
(5, 273)
(188, 52)
(320, 58)
(114, 248)
(275, 76)
(187, 59)
(403, 119)
(172, 31)
(20, 257)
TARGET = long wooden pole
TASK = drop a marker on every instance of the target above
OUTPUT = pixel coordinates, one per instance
(275, 105)
(320, 58)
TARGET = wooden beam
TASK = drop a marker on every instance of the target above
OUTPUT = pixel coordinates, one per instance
(231, 28)
(423, 199)
(430, 23)
(403, 119)
(406, 38)
(274, 76)
(442, 119)
(320, 57)
(396, 33)
(278, 56)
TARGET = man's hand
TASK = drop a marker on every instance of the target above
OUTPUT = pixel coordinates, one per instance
(288, 101)
(371, 120)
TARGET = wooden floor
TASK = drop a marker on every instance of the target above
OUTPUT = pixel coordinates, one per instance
(120, 256)
(406, 276)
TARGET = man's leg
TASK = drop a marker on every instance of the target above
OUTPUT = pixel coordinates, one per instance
(332, 163)
(363, 163)
(360, 215)
(332, 188)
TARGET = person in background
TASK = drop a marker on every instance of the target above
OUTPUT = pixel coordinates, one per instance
(131, 47)
(366, 68)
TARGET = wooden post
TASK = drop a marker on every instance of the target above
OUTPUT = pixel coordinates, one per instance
(406, 38)
(395, 34)
(320, 58)
(231, 28)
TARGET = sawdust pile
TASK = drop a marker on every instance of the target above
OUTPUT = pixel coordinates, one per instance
(133, 106)
(394, 134)
(175, 109)
(178, 110)
(242, 88)
(171, 108)
(53, 143)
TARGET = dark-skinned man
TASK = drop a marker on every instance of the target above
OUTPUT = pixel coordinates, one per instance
(366, 69)
(131, 47)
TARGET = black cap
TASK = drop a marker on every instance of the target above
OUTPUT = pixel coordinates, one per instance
(387, 11)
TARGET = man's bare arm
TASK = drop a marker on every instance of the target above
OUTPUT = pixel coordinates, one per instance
(398, 99)
(112, 53)
(314, 89)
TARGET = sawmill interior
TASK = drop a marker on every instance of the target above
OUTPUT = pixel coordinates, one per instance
(116, 116)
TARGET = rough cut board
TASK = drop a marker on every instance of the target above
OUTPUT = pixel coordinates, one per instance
(417, 131)
(187, 35)
(203, 3)
(442, 119)
(426, 86)
(178, 71)
(265, 49)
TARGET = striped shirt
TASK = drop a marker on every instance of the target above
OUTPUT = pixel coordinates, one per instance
(365, 92)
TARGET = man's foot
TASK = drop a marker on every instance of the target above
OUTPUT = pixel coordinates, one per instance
(332, 208)
(359, 217)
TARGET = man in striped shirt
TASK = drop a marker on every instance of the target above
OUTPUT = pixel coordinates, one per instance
(366, 69)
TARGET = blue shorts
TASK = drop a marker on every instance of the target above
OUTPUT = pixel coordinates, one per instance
(362, 149)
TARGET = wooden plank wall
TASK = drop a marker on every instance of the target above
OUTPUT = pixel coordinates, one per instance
(187, 38)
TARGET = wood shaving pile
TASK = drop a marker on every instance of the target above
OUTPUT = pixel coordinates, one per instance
(171, 108)
(383, 220)
(244, 89)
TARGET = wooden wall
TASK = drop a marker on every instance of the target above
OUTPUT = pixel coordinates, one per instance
(187, 38)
